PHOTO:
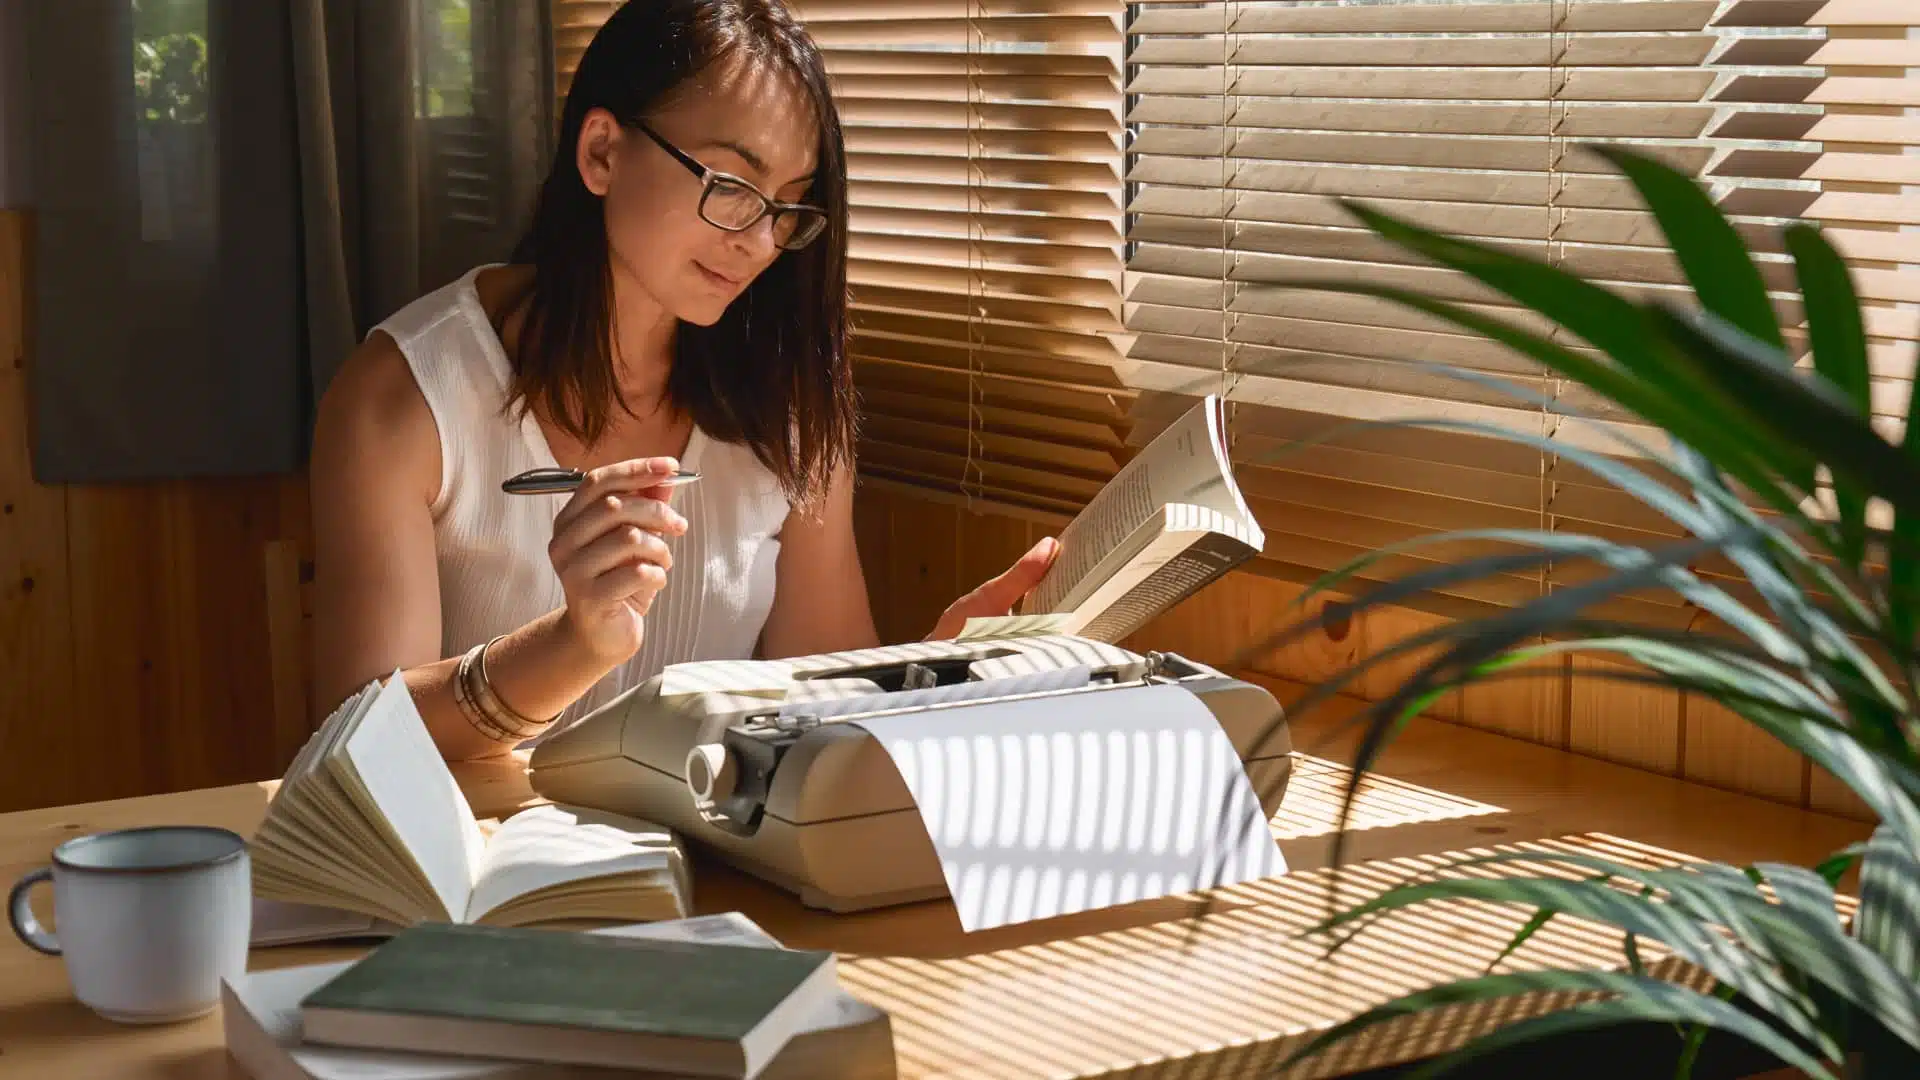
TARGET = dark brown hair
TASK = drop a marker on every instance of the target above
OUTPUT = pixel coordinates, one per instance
(772, 372)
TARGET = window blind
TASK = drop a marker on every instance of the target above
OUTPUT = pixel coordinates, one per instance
(574, 24)
(1247, 117)
(985, 265)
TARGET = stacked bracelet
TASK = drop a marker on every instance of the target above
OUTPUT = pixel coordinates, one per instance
(482, 706)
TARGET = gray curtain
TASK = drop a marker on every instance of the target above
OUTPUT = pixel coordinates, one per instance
(229, 193)
(425, 129)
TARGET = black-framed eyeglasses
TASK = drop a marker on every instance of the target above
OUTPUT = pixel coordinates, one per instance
(730, 203)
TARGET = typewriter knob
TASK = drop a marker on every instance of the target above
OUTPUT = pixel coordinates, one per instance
(710, 773)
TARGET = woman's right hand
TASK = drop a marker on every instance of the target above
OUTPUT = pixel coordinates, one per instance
(609, 552)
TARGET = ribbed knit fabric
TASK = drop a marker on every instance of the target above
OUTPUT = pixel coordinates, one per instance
(492, 547)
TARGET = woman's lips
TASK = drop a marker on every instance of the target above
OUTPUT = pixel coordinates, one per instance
(716, 279)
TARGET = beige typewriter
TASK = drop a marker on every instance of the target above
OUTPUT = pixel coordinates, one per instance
(764, 763)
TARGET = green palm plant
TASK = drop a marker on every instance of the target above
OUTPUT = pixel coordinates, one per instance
(1824, 662)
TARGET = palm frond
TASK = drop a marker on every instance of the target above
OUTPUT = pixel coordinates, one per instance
(1816, 648)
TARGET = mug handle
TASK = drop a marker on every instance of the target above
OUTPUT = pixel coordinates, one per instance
(21, 916)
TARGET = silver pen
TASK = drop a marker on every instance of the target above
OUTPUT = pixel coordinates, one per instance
(560, 481)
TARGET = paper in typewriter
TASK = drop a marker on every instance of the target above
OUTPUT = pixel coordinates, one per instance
(1048, 806)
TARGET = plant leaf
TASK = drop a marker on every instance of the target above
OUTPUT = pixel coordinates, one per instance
(1638, 999)
(1835, 866)
(1811, 412)
(1539, 919)
(1838, 336)
(1711, 253)
(1686, 935)
(1860, 975)
(1903, 555)
(1888, 921)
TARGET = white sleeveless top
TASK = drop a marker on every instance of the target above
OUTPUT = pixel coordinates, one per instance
(492, 546)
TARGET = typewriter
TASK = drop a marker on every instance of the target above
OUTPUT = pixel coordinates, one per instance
(765, 764)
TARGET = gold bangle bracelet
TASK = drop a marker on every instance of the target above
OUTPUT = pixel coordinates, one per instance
(489, 701)
(463, 696)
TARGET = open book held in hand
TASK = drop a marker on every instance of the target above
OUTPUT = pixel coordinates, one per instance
(1168, 524)
(369, 819)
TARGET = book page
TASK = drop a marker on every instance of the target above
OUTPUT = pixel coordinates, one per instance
(549, 845)
(395, 776)
(1183, 464)
(987, 627)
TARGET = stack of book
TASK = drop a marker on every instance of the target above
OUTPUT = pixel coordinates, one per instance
(706, 996)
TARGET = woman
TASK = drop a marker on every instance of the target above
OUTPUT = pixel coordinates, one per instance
(678, 302)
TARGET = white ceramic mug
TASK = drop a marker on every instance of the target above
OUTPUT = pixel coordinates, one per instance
(150, 920)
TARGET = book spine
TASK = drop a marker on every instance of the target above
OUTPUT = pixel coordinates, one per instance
(1194, 569)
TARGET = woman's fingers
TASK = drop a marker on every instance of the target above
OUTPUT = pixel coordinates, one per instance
(634, 583)
(623, 544)
(628, 478)
(610, 513)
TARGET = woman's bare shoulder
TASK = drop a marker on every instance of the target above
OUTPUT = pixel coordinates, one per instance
(373, 411)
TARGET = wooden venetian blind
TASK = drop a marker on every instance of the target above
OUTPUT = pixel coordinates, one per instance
(985, 160)
(574, 24)
(1467, 117)
(985, 155)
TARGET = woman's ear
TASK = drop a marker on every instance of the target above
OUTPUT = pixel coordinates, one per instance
(599, 138)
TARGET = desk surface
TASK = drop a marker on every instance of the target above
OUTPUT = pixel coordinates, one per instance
(1218, 986)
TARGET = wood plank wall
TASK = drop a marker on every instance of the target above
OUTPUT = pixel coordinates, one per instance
(136, 644)
(153, 638)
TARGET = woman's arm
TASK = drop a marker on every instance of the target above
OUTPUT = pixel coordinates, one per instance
(374, 472)
(821, 602)
(820, 599)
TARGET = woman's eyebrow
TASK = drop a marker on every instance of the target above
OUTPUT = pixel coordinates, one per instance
(753, 160)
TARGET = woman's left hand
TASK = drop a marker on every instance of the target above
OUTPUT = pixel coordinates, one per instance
(996, 596)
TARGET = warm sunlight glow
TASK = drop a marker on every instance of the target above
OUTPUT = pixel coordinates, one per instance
(1312, 805)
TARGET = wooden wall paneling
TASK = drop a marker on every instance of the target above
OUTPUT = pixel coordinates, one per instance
(1527, 701)
(1830, 796)
(141, 650)
(989, 543)
(1386, 627)
(1620, 721)
(1207, 628)
(873, 534)
(924, 569)
(121, 646)
(233, 645)
(288, 646)
(38, 735)
(1273, 607)
(1724, 749)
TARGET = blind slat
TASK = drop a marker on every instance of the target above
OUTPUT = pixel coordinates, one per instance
(1672, 15)
(1426, 83)
(1252, 120)
(1583, 121)
(1572, 51)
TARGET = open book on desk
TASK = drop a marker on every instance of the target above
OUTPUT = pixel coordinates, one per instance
(370, 821)
(1169, 523)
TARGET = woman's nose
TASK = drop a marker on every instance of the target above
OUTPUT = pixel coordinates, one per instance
(756, 240)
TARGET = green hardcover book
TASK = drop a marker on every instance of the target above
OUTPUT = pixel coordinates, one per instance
(560, 996)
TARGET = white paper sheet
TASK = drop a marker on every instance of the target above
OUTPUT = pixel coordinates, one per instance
(1046, 806)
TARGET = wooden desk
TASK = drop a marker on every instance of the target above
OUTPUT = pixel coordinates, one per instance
(1176, 986)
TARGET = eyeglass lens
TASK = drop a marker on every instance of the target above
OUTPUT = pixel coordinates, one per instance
(734, 206)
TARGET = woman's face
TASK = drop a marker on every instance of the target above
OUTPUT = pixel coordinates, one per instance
(738, 117)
